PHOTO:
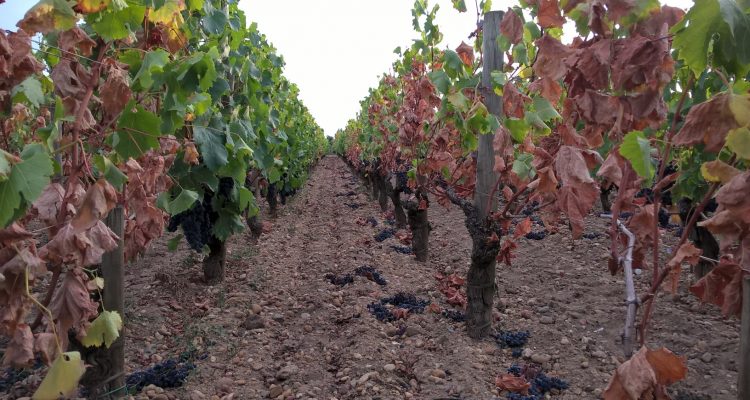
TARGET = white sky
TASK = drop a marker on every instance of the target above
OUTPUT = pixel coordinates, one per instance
(336, 49)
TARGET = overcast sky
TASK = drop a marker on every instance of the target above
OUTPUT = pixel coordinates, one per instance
(335, 49)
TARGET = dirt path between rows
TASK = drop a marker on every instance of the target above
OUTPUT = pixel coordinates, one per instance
(277, 328)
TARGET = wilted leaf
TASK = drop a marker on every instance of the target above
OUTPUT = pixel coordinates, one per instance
(708, 123)
(512, 383)
(47, 16)
(466, 53)
(738, 141)
(644, 373)
(19, 352)
(100, 199)
(718, 171)
(512, 26)
(523, 228)
(115, 92)
(722, 287)
(549, 14)
(92, 6)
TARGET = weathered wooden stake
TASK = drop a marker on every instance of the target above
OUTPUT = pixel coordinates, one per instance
(480, 280)
(113, 299)
(743, 382)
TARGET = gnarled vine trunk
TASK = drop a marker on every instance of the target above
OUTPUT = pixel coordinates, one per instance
(213, 264)
(271, 197)
(420, 227)
(256, 228)
(398, 210)
(383, 195)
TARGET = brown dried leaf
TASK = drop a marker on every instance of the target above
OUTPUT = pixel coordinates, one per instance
(669, 367)
(19, 352)
(466, 53)
(512, 26)
(579, 191)
(722, 287)
(14, 233)
(76, 38)
(709, 123)
(522, 228)
(100, 199)
(514, 101)
(48, 204)
(550, 58)
(644, 373)
(45, 345)
(115, 92)
(549, 14)
(72, 307)
(512, 383)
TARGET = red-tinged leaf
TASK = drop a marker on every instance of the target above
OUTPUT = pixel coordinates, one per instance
(512, 383)
(46, 345)
(579, 191)
(722, 287)
(456, 280)
(76, 39)
(514, 101)
(645, 374)
(548, 88)
(400, 313)
(617, 9)
(522, 228)
(14, 233)
(434, 308)
(549, 14)
(659, 21)
(506, 252)
(686, 253)
(267, 227)
(669, 367)
(547, 181)
(512, 27)
(507, 193)
(708, 123)
(549, 62)
(466, 53)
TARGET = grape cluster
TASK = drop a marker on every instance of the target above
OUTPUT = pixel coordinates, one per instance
(385, 234)
(381, 312)
(402, 249)
(530, 208)
(372, 221)
(371, 274)
(353, 206)
(663, 218)
(516, 352)
(402, 180)
(196, 224)
(540, 383)
(591, 235)
(339, 280)
(512, 339)
(347, 194)
(167, 374)
(390, 221)
(406, 301)
(454, 315)
(11, 377)
(539, 235)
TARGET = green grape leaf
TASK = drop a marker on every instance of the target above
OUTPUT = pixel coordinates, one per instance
(522, 166)
(212, 146)
(215, 22)
(182, 202)
(111, 173)
(117, 25)
(153, 63)
(544, 109)
(441, 80)
(518, 128)
(738, 141)
(62, 377)
(721, 22)
(32, 175)
(636, 148)
(174, 243)
(227, 224)
(105, 329)
(459, 5)
(29, 90)
(137, 132)
(5, 158)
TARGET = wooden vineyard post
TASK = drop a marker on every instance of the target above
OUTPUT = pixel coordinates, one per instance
(106, 377)
(480, 287)
(493, 61)
(743, 382)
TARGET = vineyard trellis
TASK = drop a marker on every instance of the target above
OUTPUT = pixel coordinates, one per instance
(649, 100)
(158, 107)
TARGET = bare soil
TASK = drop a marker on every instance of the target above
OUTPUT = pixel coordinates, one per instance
(277, 327)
